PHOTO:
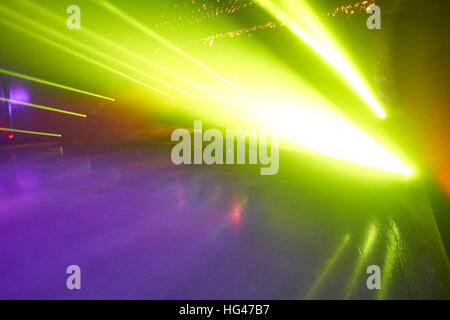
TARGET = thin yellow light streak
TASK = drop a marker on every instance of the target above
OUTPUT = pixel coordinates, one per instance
(42, 107)
(31, 132)
(328, 267)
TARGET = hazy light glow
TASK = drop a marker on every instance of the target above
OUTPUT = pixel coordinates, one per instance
(19, 93)
(77, 54)
(302, 22)
(278, 99)
(306, 121)
(334, 136)
(119, 13)
(124, 50)
(85, 47)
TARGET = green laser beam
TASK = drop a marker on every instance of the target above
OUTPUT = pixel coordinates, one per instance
(119, 13)
(79, 55)
(52, 84)
(31, 132)
(42, 107)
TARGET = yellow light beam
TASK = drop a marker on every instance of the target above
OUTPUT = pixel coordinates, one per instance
(79, 44)
(119, 13)
(79, 55)
(309, 29)
(328, 133)
(124, 50)
(31, 132)
(52, 84)
(42, 107)
(328, 267)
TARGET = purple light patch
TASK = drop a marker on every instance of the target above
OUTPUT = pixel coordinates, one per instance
(19, 93)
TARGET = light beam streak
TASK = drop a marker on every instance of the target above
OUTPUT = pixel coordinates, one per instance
(79, 55)
(329, 133)
(52, 84)
(79, 44)
(119, 13)
(32, 105)
(31, 132)
(308, 28)
(393, 254)
(328, 268)
(362, 259)
(123, 50)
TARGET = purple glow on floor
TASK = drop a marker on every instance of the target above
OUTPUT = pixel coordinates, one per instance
(140, 227)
